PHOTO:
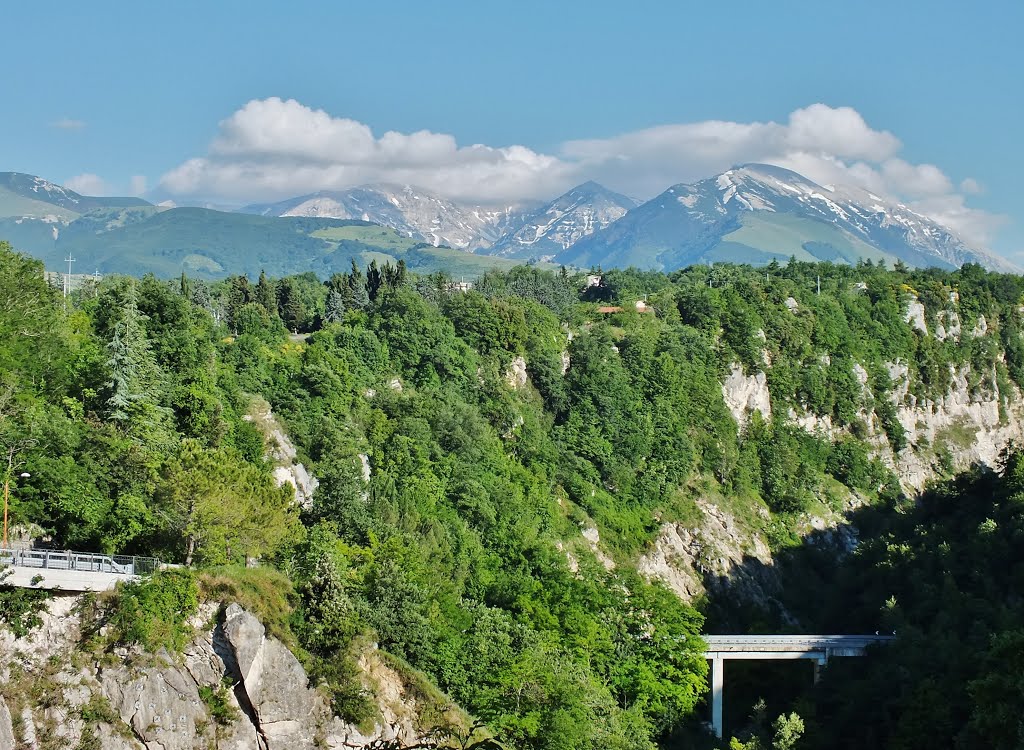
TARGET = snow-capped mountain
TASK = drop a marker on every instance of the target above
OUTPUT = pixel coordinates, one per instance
(415, 212)
(750, 214)
(756, 213)
(560, 224)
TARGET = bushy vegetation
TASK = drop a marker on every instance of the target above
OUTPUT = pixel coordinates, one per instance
(154, 613)
(128, 409)
(945, 574)
(20, 608)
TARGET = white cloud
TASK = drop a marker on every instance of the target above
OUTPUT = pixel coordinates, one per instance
(137, 184)
(68, 123)
(272, 149)
(971, 186)
(88, 184)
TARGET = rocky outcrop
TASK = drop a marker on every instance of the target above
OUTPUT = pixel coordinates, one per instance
(516, 376)
(6, 725)
(281, 451)
(690, 558)
(160, 704)
(272, 686)
(745, 394)
(140, 701)
(915, 315)
(966, 426)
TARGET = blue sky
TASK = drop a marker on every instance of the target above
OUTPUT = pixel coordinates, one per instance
(112, 91)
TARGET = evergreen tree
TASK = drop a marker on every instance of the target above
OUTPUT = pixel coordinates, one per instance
(335, 310)
(290, 306)
(221, 508)
(239, 293)
(359, 297)
(264, 295)
(374, 280)
(135, 378)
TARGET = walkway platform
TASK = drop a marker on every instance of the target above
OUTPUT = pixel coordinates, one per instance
(70, 571)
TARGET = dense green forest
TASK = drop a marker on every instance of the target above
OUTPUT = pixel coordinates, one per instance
(461, 556)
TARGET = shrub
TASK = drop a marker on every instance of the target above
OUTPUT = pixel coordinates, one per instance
(19, 608)
(154, 613)
(218, 704)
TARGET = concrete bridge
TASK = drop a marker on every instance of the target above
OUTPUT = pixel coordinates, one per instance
(70, 571)
(819, 648)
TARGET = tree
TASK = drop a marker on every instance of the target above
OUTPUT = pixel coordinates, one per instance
(220, 509)
(135, 383)
(374, 280)
(239, 293)
(264, 295)
(30, 324)
(290, 306)
(335, 310)
(359, 297)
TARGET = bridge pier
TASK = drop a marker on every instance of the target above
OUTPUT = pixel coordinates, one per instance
(717, 686)
(819, 648)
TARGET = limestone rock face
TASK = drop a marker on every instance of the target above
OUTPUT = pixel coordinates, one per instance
(274, 684)
(915, 316)
(281, 450)
(161, 705)
(155, 701)
(690, 558)
(745, 394)
(516, 376)
(6, 728)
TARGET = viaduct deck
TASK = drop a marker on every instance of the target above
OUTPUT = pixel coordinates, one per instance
(819, 648)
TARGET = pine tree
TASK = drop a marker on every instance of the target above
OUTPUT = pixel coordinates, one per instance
(374, 280)
(335, 307)
(359, 297)
(135, 377)
(264, 295)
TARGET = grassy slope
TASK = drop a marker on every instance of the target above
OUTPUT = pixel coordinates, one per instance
(779, 235)
(14, 205)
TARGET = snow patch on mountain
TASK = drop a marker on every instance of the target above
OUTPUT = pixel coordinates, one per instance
(561, 223)
(414, 212)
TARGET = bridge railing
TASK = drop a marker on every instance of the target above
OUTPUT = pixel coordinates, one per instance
(47, 559)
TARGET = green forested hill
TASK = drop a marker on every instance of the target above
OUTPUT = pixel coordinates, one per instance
(208, 244)
(462, 553)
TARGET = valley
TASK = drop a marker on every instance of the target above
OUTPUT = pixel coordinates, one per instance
(598, 485)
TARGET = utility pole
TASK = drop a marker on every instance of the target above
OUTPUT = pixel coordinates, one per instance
(819, 286)
(67, 279)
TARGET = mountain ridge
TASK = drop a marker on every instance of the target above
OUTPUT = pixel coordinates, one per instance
(756, 213)
(753, 213)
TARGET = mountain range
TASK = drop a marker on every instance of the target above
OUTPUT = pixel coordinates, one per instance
(753, 214)
(758, 213)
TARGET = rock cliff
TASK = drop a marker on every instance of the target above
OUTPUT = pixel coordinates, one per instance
(969, 424)
(233, 688)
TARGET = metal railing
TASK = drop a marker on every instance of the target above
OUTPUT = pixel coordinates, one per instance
(125, 565)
